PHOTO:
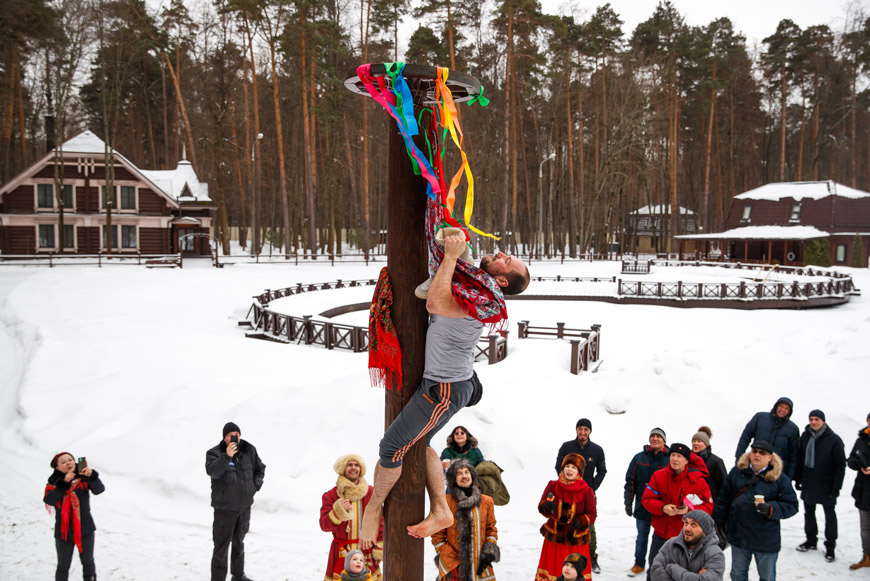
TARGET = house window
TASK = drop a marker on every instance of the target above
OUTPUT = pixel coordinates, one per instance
(841, 253)
(114, 236)
(185, 240)
(747, 210)
(68, 201)
(44, 196)
(46, 235)
(106, 200)
(128, 236)
(69, 236)
(128, 197)
(795, 213)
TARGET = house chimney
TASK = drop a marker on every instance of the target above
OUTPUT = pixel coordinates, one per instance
(49, 133)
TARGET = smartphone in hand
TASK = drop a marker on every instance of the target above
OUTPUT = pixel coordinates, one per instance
(81, 464)
(234, 439)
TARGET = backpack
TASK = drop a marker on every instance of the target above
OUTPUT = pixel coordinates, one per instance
(491, 483)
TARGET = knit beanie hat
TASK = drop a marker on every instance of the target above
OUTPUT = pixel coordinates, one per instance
(703, 434)
(818, 414)
(704, 520)
(660, 432)
(681, 449)
(57, 456)
(577, 560)
(230, 427)
(348, 557)
(584, 422)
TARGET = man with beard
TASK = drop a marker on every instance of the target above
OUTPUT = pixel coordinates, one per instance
(695, 551)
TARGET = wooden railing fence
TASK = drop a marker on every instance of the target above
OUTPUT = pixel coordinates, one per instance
(585, 349)
(737, 290)
(102, 259)
(635, 266)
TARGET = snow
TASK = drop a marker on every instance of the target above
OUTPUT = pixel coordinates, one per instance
(84, 142)
(105, 363)
(173, 182)
(800, 190)
(761, 233)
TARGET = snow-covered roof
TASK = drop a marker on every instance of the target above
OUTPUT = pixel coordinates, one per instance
(84, 142)
(181, 183)
(801, 190)
(761, 233)
(660, 209)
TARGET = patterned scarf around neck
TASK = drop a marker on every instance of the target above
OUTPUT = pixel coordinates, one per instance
(70, 508)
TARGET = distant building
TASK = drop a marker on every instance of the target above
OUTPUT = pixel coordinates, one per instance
(152, 212)
(773, 223)
(648, 226)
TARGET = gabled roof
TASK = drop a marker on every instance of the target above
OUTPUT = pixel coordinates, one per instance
(761, 233)
(801, 190)
(85, 142)
(181, 183)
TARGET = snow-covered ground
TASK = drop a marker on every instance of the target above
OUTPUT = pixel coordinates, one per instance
(139, 369)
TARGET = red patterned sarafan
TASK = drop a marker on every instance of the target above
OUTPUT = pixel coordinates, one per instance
(385, 354)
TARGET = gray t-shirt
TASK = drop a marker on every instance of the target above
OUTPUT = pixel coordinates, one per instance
(450, 345)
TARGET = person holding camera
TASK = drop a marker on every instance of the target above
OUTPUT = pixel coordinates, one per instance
(236, 475)
(68, 492)
(859, 460)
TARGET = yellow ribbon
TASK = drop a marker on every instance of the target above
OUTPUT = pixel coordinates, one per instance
(450, 121)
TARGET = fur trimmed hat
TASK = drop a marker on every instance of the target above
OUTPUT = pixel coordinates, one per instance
(577, 560)
(704, 433)
(342, 461)
(575, 459)
(453, 468)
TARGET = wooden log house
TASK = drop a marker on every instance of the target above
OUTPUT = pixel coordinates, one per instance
(152, 212)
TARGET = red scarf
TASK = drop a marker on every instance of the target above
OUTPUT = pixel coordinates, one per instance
(385, 353)
(70, 507)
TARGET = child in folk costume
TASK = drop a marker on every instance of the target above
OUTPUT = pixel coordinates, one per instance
(68, 492)
(468, 548)
(569, 505)
(355, 567)
(572, 568)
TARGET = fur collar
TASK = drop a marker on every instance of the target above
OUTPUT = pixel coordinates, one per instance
(466, 502)
(465, 506)
(351, 491)
(774, 470)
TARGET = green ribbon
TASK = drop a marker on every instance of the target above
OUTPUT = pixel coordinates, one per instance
(479, 98)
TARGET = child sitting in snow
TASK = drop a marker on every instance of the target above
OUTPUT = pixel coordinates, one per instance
(355, 567)
(422, 291)
(574, 565)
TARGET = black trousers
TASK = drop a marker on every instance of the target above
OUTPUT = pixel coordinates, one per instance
(654, 547)
(229, 527)
(811, 528)
(65, 551)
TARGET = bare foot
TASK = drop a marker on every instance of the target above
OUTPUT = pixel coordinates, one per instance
(431, 525)
(368, 533)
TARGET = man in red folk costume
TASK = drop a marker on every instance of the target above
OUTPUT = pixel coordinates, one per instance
(341, 513)
(570, 508)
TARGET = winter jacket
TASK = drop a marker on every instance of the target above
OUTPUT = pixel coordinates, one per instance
(860, 458)
(821, 484)
(344, 525)
(717, 473)
(56, 490)
(474, 526)
(747, 528)
(595, 469)
(674, 561)
(473, 455)
(687, 487)
(234, 481)
(640, 470)
(575, 510)
(781, 433)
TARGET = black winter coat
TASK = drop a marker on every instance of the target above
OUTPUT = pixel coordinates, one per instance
(748, 529)
(860, 458)
(821, 484)
(781, 433)
(640, 470)
(234, 481)
(717, 473)
(58, 487)
(594, 455)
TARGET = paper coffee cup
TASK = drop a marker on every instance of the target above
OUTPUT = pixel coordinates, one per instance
(759, 498)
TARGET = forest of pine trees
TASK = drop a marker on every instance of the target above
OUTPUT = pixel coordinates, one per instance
(663, 114)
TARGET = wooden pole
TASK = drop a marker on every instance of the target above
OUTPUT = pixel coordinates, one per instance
(406, 264)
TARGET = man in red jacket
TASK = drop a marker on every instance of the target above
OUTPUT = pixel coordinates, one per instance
(672, 492)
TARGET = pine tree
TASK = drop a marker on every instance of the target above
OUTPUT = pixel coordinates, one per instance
(817, 253)
(857, 259)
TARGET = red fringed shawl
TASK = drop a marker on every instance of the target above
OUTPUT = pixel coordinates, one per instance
(69, 508)
(385, 353)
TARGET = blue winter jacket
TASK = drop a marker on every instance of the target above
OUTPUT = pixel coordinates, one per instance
(747, 528)
(640, 470)
(781, 433)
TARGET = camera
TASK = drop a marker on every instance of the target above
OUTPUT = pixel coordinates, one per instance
(234, 439)
(81, 464)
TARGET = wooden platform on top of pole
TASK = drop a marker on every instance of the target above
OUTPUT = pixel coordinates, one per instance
(407, 259)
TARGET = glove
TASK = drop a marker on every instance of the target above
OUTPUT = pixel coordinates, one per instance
(764, 509)
(628, 510)
(580, 523)
(550, 507)
(485, 562)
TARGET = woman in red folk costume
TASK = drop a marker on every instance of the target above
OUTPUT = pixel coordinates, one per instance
(68, 491)
(569, 505)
